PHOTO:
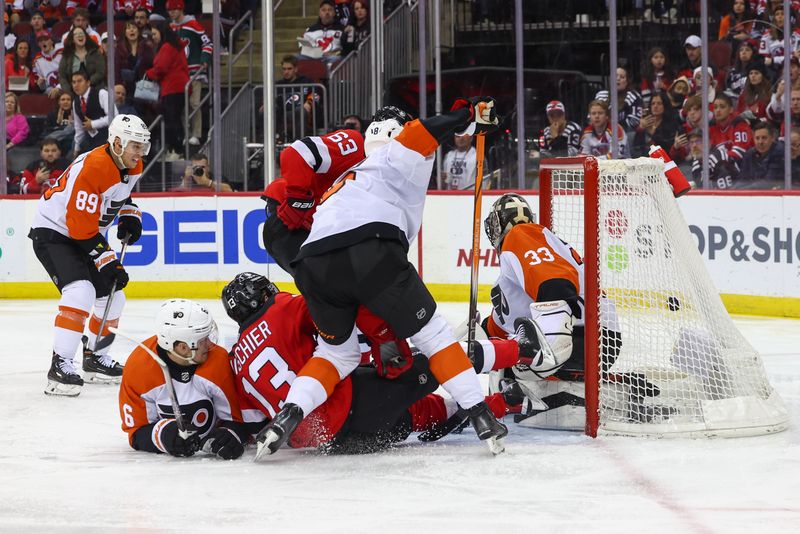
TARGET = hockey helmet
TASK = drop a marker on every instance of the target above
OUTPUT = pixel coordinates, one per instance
(129, 128)
(245, 294)
(386, 124)
(186, 321)
(507, 211)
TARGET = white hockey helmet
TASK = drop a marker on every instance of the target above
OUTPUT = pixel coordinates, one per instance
(386, 124)
(184, 320)
(129, 128)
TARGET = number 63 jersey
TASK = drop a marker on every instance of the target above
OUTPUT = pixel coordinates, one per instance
(535, 266)
(87, 196)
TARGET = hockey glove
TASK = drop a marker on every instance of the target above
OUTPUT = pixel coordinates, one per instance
(169, 440)
(392, 358)
(111, 269)
(130, 223)
(224, 443)
(482, 116)
(297, 211)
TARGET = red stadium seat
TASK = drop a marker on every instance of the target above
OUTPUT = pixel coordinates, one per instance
(22, 29)
(119, 27)
(719, 55)
(60, 28)
(34, 104)
(312, 68)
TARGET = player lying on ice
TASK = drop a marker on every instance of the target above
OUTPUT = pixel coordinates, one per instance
(356, 254)
(374, 407)
(202, 382)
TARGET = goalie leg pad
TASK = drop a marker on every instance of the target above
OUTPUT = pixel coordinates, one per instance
(552, 324)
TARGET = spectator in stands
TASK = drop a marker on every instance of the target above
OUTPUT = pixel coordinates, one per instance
(52, 10)
(658, 127)
(693, 112)
(358, 29)
(771, 46)
(45, 65)
(171, 71)
(697, 83)
(353, 122)
(90, 109)
(198, 52)
(126, 9)
(121, 101)
(737, 26)
(460, 165)
(289, 99)
(746, 58)
(693, 47)
(10, 38)
(133, 57)
(677, 93)
(629, 101)
(80, 19)
(142, 19)
(755, 97)
(41, 174)
(344, 11)
(81, 54)
(730, 137)
(657, 73)
(762, 165)
(596, 138)
(37, 27)
(560, 137)
(59, 124)
(775, 108)
(198, 177)
(323, 39)
(20, 65)
(17, 128)
(794, 146)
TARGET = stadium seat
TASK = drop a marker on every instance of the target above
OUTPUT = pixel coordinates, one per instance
(312, 68)
(36, 105)
(60, 28)
(22, 29)
(119, 27)
(719, 55)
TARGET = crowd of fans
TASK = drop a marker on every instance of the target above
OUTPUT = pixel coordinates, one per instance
(746, 129)
(56, 80)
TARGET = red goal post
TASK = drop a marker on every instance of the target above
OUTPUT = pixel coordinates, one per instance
(678, 366)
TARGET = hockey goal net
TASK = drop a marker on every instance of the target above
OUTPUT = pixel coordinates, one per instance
(680, 367)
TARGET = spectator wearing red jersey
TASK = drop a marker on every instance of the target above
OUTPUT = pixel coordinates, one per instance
(45, 65)
(20, 64)
(171, 71)
(42, 173)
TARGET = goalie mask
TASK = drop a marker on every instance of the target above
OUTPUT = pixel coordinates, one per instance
(181, 320)
(245, 294)
(386, 124)
(507, 211)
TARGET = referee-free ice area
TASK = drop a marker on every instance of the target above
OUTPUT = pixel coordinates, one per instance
(65, 465)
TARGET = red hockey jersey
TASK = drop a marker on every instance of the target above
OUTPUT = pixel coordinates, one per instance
(736, 136)
(311, 164)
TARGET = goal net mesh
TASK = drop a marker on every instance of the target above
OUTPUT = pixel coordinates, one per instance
(682, 367)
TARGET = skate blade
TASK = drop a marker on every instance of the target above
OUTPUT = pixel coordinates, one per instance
(496, 445)
(57, 389)
(262, 448)
(99, 378)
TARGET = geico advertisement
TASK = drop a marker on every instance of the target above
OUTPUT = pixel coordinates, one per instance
(750, 244)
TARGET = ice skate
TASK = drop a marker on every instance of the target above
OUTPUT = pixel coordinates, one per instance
(278, 431)
(63, 379)
(488, 427)
(100, 368)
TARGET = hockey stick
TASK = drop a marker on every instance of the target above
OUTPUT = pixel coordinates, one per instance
(476, 243)
(98, 344)
(176, 408)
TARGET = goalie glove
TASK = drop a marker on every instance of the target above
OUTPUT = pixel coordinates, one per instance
(550, 327)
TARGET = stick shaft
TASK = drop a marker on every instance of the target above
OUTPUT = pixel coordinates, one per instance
(176, 408)
(476, 245)
(110, 298)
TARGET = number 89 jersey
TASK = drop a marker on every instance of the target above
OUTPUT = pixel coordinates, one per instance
(87, 196)
(535, 266)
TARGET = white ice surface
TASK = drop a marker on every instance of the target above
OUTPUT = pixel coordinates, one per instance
(65, 465)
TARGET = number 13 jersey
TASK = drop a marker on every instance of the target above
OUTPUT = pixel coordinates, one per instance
(87, 196)
(535, 266)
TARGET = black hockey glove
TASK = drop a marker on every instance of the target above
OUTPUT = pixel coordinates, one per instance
(176, 445)
(225, 443)
(111, 269)
(130, 223)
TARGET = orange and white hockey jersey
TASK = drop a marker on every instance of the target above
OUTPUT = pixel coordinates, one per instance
(535, 266)
(206, 397)
(87, 196)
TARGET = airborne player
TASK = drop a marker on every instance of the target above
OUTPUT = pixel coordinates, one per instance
(203, 384)
(68, 239)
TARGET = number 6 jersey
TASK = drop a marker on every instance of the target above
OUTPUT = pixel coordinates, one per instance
(535, 266)
(87, 196)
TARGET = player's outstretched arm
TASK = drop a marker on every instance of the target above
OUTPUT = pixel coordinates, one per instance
(466, 116)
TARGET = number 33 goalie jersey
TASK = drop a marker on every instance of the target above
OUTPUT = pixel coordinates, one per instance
(535, 266)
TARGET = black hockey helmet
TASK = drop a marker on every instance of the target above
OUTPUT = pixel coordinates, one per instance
(392, 112)
(245, 294)
(508, 210)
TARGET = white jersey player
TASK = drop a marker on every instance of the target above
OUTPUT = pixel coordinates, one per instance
(68, 239)
(356, 254)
